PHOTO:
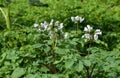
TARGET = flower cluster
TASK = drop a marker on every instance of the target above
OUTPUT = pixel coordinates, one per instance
(89, 35)
(77, 19)
(54, 27)
(48, 26)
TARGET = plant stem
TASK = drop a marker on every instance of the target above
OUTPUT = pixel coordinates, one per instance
(6, 15)
(87, 71)
(53, 42)
(77, 28)
(93, 69)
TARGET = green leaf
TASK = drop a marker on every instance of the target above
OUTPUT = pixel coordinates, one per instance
(101, 42)
(87, 62)
(54, 76)
(80, 66)
(60, 51)
(18, 72)
(46, 49)
(30, 76)
(36, 75)
(38, 45)
(49, 42)
(118, 69)
(69, 63)
(56, 62)
(44, 69)
(3, 57)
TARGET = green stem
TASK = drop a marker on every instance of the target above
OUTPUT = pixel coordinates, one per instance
(77, 28)
(53, 42)
(88, 50)
(6, 16)
(3, 12)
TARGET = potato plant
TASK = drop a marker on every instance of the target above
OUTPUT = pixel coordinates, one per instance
(67, 39)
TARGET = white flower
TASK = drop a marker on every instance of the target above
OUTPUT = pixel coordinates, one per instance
(87, 36)
(88, 28)
(66, 35)
(44, 25)
(60, 26)
(95, 36)
(77, 18)
(73, 19)
(36, 25)
(81, 19)
(51, 22)
(98, 32)
(85, 29)
(57, 23)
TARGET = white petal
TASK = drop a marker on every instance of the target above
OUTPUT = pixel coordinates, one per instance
(73, 19)
(77, 18)
(95, 36)
(66, 35)
(57, 23)
(83, 36)
(89, 28)
(36, 25)
(50, 33)
(87, 36)
(81, 19)
(85, 29)
(45, 25)
(98, 31)
(61, 26)
(51, 22)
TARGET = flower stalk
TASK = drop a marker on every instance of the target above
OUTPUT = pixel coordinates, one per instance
(90, 35)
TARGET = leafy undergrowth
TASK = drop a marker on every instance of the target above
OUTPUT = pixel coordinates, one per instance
(73, 47)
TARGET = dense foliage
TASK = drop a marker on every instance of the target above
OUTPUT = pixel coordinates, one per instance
(68, 39)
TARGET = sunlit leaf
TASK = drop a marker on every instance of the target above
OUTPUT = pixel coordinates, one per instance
(18, 72)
